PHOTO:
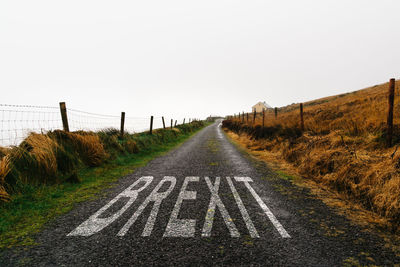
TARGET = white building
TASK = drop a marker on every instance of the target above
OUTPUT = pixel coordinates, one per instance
(260, 106)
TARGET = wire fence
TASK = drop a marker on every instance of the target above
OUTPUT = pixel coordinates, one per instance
(17, 121)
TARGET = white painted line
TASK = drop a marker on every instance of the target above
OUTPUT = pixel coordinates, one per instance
(265, 208)
(157, 198)
(95, 224)
(243, 211)
(214, 202)
(182, 227)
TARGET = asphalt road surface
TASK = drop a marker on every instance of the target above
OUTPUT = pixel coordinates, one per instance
(204, 203)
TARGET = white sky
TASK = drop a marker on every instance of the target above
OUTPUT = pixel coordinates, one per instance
(193, 58)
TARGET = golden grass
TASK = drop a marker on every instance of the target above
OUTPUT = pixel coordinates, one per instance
(56, 156)
(4, 170)
(90, 147)
(359, 112)
(44, 158)
(343, 146)
(43, 149)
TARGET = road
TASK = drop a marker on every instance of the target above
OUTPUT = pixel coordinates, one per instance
(203, 203)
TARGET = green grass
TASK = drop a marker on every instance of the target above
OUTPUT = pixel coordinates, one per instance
(34, 206)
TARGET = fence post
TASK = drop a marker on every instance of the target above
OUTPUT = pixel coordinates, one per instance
(243, 117)
(276, 112)
(163, 122)
(64, 117)
(151, 125)
(263, 124)
(172, 121)
(176, 121)
(122, 124)
(390, 113)
(254, 117)
(183, 121)
(301, 117)
(247, 115)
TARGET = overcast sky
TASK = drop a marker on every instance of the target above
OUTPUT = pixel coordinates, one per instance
(193, 58)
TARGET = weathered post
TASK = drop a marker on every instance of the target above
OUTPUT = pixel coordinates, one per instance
(243, 117)
(301, 117)
(151, 125)
(254, 117)
(172, 122)
(64, 117)
(176, 121)
(276, 112)
(163, 122)
(122, 124)
(263, 123)
(183, 121)
(247, 115)
(390, 113)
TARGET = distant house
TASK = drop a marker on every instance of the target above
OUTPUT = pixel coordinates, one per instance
(260, 106)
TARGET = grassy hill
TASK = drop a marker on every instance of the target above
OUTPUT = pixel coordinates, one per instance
(342, 146)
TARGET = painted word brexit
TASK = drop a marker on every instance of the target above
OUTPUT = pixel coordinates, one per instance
(178, 227)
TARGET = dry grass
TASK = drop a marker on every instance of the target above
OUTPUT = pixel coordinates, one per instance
(4, 170)
(47, 158)
(56, 156)
(342, 147)
(90, 148)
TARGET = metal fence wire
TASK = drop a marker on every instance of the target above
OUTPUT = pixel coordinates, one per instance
(17, 121)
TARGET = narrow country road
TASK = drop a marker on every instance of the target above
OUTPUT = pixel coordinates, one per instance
(204, 203)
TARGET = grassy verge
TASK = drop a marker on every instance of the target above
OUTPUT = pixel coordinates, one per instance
(34, 204)
(343, 205)
(342, 146)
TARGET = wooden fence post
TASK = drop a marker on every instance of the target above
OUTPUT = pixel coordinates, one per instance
(390, 113)
(172, 121)
(176, 121)
(122, 124)
(301, 117)
(183, 121)
(151, 125)
(163, 122)
(254, 117)
(247, 115)
(64, 117)
(276, 112)
(243, 117)
(263, 123)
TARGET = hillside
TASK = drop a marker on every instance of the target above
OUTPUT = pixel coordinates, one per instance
(342, 146)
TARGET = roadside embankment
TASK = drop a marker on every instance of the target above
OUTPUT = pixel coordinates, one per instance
(342, 147)
(48, 173)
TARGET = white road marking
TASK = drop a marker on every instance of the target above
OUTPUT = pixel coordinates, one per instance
(219, 131)
(214, 202)
(182, 227)
(95, 224)
(177, 227)
(243, 211)
(157, 198)
(265, 208)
